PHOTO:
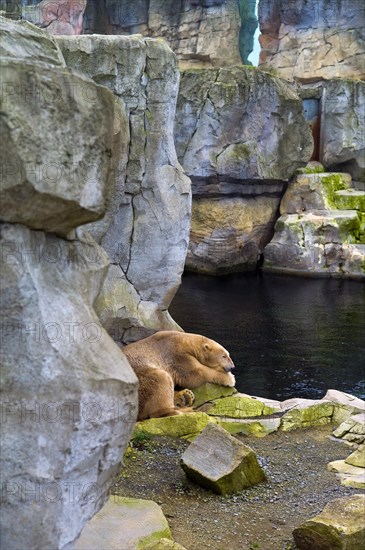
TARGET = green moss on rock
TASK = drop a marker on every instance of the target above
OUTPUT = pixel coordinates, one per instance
(210, 392)
(181, 425)
(332, 183)
(240, 407)
(316, 415)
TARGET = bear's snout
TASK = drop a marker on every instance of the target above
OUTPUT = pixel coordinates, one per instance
(230, 367)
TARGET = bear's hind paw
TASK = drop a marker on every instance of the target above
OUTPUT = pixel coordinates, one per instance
(184, 398)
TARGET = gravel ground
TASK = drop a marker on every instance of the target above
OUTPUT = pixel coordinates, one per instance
(298, 487)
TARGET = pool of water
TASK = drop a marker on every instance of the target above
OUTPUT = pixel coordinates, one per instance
(288, 336)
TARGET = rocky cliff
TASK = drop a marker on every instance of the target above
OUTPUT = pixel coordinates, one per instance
(200, 32)
(69, 397)
(146, 228)
(308, 40)
(240, 134)
(321, 230)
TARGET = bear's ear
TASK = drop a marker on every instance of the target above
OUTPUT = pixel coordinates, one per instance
(207, 347)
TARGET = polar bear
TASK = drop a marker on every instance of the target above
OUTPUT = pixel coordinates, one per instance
(171, 358)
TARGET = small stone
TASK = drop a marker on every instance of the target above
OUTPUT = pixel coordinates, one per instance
(357, 458)
(219, 462)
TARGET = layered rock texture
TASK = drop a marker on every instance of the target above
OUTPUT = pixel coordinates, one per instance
(312, 39)
(342, 127)
(202, 33)
(38, 189)
(219, 462)
(146, 228)
(56, 17)
(321, 229)
(340, 525)
(126, 523)
(69, 402)
(238, 169)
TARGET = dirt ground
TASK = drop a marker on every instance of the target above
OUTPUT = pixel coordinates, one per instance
(298, 487)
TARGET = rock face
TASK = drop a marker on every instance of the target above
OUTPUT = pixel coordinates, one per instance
(71, 397)
(340, 525)
(125, 523)
(342, 121)
(61, 17)
(321, 230)
(237, 170)
(200, 32)
(146, 227)
(38, 189)
(313, 39)
(220, 462)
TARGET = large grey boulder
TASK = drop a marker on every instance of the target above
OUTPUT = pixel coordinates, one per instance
(312, 40)
(146, 228)
(219, 462)
(70, 397)
(22, 40)
(339, 526)
(238, 170)
(126, 523)
(44, 111)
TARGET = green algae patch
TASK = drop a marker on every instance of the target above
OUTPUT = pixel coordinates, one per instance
(350, 199)
(240, 407)
(331, 183)
(316, 415)
(210, 392)
(311, 168)
(181, 425)
(257, 429)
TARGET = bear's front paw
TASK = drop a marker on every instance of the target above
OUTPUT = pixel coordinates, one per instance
(231, 379)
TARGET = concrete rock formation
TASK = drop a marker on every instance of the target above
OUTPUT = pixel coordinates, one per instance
(146, 227)
(321, 229)
(340, 525)
(343, 121)
(237, 170)
(312, 39)
(70, 403)
(56, 17)
(126, 523)
(38, 189)
(219, 462)
(202, 33)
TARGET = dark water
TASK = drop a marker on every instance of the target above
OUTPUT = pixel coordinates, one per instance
(289, 337)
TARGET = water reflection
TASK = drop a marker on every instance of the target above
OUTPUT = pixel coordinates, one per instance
(289, 337)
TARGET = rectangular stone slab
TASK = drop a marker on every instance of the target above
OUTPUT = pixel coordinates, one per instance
(219, 462)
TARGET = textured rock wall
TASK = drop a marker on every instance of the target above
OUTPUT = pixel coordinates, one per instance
(200, 32)
(313, 39)
(343, 123)
(238, 169)
(69, 397)
(146, 229)
(57, 17)
(321, 229)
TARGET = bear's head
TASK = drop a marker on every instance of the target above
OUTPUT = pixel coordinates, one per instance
(216, 356)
